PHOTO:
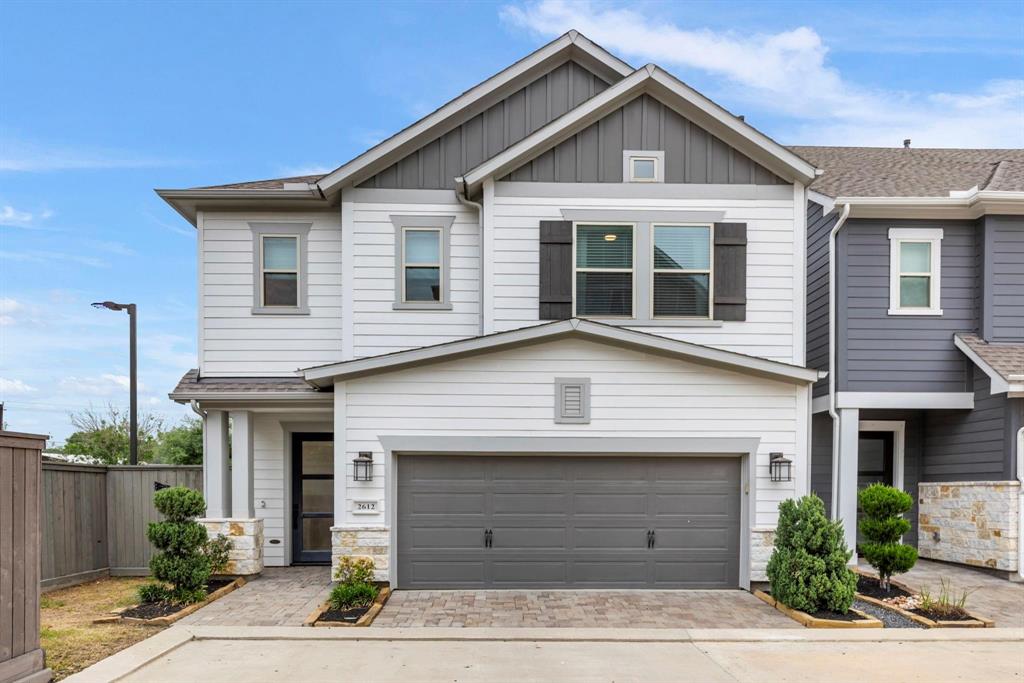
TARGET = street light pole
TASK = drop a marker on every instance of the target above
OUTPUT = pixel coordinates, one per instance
(133, 384)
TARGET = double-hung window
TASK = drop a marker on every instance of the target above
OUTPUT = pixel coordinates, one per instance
(681, 271)
(422, 264)
(604, 270)
(914, 271)
(279, 265)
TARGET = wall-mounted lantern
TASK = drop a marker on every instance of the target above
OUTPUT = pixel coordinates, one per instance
(362, 467)
(157, 485)
(780, 467)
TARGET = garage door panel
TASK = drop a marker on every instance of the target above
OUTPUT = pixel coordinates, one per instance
(452, 502)
(446, 573)
(717, 504)
(692, 573)
(608, 470)
(610, 504)
(693, 538)
(434, 538)
(609, 572)
(610, 538)
(439, 468)
(517, 573)
(533, 537)
(530, 503)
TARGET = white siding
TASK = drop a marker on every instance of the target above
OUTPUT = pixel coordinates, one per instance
(233, 341)
(378, 328)
(511, 393)
(767, 332)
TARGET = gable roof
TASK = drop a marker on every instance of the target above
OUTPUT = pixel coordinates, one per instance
(1003, 363)
(901, 172)
(571, 45)
(653, 80)
(325, 375)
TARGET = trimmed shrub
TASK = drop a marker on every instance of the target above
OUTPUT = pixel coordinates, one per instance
(354, 570)
(352, 595)
(882, 526)
(217, 549)
(182, 568)
(807, 569)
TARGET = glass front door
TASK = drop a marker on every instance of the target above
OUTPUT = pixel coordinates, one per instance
(874, 463)
(312, 497)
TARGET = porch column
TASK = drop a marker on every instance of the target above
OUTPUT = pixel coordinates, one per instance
(216, 470)
(849, 435)
(340, 454)
(241, 465)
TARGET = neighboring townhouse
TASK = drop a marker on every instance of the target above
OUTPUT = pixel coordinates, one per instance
(550, 335)
(927, 381)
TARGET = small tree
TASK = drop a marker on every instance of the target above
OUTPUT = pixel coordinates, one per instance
(807, 569)
(182, 563)
(181, 444)
(882, 526)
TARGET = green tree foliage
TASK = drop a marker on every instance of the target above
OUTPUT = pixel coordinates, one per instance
(807, 569)
(104, 435)
(182, 567)
(882, 526)
(182, 444)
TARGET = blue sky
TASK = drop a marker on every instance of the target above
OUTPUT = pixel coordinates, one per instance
(102, 102)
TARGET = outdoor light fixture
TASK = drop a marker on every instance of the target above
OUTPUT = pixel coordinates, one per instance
(611, 237)
(362, 467)
(780, 467)
(133, 381)
(158, 485)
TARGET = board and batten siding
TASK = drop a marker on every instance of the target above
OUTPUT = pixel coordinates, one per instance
(235, 342)
(882, 352)
(692, 155)
(377, 327)
(1003, 293)
(819, 226)
(633, 394)
(438, 163)
(768, 331)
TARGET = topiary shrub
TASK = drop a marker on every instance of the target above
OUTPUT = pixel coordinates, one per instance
(182, 567)
(882, 525)
(807, 569)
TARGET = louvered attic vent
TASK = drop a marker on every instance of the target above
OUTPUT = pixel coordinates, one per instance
(572, 400)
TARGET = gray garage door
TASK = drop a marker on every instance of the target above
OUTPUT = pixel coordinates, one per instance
(584, 522)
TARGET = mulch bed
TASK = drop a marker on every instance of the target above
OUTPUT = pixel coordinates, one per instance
(835, 616)
(347, 615)
(869, 586)
(152, 610)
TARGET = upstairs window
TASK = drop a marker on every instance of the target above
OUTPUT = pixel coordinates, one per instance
(280, 270)
(604, 270)
(914, 271)
(421, 266)
(643, 166)
(681, 271)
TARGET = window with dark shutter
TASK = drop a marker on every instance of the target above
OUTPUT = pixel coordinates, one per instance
(572, 400)
(556, 270)
(730, 272)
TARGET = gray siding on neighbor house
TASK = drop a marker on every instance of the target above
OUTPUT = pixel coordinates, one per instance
(971, 445)
(436, 164)
(821, 457)
(1001, 287)
(819, 225)
(880, 352)
(692, 155)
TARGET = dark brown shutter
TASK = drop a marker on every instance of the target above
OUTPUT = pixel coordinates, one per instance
(555, 270)
(730, 271)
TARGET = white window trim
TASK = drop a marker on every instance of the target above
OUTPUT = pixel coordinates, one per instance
(300, 233)
(631, 270)
(443, 226)
(899, 430)
(931, 236)
(657, 156)
(709, 272)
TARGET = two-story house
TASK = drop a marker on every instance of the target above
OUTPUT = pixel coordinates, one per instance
(923, 250)
(550, 335)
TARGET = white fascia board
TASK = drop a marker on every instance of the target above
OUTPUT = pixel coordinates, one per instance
(961, 206)
(827, 203)
(562, 48)
(909, 400)
(185, 397)
(188, 202)
(998, 384)
(326, 374)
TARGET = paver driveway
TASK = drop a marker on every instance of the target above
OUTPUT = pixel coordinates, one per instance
(580, 609)
(281, 596)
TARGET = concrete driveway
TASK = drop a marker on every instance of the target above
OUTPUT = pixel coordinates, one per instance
(232, 654)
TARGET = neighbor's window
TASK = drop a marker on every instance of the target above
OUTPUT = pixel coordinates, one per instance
(421, 265)
(280, 260)
(914, 271)
(681, 271)
(604, 270)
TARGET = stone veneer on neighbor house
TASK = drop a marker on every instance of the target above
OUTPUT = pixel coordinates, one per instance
(246, 555)
(366, 541)
(970, 522)
(762, 543)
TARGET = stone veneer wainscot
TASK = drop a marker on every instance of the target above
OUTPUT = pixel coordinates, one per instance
(363, 541)
(246, 555)
(971, 522)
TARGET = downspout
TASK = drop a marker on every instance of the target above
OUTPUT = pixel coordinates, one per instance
(460, 194)
(1020, 503)
(832, 313)
(194, 405)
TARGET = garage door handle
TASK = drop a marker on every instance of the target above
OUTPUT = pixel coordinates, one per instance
(488, 538)
(650, 538)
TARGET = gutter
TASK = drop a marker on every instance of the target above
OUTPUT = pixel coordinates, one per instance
(460, 194)
(832, 313)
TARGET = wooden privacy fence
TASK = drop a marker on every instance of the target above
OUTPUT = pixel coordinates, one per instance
(21, 659)
(95, 518)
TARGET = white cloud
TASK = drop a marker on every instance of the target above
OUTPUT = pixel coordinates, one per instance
(104, 385)
(14, 386)
(14, 218)
(8, 305)
(38, 256)
(788, 74)
(25, 156)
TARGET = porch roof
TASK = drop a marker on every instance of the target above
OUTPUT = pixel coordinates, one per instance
(192, 386)
(1003, 363)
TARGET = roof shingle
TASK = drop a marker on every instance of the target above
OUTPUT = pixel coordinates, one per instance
(1006, 359)
(192, 385)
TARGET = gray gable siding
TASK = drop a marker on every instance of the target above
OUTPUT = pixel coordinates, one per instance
(971, 444)
(879, 352)
(692, 155)
(1001, 286)
(819, 225)
(438, 163)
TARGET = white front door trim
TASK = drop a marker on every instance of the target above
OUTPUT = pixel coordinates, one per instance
(898, 429)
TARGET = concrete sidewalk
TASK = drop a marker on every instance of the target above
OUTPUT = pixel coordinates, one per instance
(232, 654)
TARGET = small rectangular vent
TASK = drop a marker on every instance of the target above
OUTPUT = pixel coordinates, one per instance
(572, 400)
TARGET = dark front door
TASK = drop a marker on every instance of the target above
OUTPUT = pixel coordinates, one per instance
(312, 497)
(874, 462)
